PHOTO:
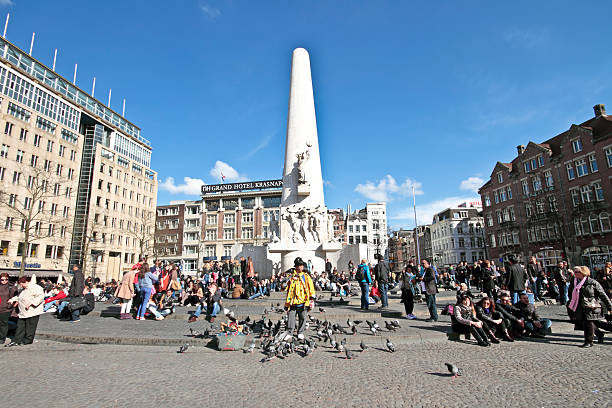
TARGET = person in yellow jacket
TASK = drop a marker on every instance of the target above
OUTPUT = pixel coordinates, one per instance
(300, 297)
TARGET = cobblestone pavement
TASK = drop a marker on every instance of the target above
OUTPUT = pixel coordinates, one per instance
(550, 373)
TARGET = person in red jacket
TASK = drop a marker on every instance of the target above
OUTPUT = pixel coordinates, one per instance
(375, 292)
(58, 294)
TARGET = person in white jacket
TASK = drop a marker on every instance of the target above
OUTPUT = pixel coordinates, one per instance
(31, 304)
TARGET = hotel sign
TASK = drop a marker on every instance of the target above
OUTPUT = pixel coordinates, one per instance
(247, 185)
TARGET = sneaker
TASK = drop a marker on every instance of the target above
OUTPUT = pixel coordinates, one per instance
(411, 316)
(301, 336)
(159, 318)
(192, 319)
(75, 321)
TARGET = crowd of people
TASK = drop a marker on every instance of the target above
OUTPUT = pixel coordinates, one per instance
(504, 311)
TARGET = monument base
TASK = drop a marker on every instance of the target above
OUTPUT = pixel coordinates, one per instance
(315, 252)
(303, 190)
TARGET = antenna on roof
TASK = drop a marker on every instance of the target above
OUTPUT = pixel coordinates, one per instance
(93, 88)
(74, 77)
(6, 24)
(54, 59)
(123, 110)
(32, 43)
(109, 96)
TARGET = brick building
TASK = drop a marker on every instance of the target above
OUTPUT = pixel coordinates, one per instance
(553, 199)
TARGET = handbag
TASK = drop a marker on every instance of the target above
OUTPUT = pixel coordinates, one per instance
(590, 303)
(76, 303)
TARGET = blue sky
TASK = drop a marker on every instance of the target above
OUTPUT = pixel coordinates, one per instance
(406, 93)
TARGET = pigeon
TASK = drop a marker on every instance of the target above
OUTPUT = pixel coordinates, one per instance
(354, 330)
(375, 325)
(390, 327)
(396, 323)
(363, 346)
(357, 322)
(390, 346)
(453, 369)
(265, 311)
(251, 348)
(321, 310)
(373, 330)
(349, 323)
(333, 342)
(349, 354)
(183, 348)
(194, 333)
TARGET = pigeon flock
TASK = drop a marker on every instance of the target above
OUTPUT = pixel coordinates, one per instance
(277, 343)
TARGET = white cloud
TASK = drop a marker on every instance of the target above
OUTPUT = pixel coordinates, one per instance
(7, 3)
(210, 11)
(425, 212)
(190, 186)
(262, 144)
(471, 184)
(387, 187)
(223, 169)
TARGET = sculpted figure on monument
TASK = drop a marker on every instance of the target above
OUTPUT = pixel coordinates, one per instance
(275, 230)
(290, 218)
(330, 228)
(301, 163)
(315, 226)
(303, 216)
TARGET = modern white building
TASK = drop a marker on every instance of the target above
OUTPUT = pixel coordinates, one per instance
(457, 234)
(369, 226)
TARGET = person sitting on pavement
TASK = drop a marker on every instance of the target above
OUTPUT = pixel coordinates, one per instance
(463, 291)
(464, 321)
(375, 292)
(158, 307)
(213, 304)
(344, 285)
(57, 294)
(194, 295)
(491, 319)
(527, 312)
(586, 296)
(510, 314)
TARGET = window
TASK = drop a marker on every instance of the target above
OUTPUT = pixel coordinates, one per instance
(489, 220)
(528, 210)
(502, 195)
(593, 164)
(586, 194)
(534, 164)
(229, 218)
(527, 167)
(594, 223)
(540, 161)
(20, 156)
(227, 250)
(210, 250)
(499, 216)
(571, 173)
(34, 160)
(509, 192)
(575, 197)
(2, 170)
(247, 217)
(609, 156)
(487, 201)
(4, 248)
(525, 187)
(16, 177)
(500, 178)
(211, 219)
(37, 140)
(212, 205)
(495, 197)
(462, 214)
(548, 178)
(8, 223)
(604, 221)
(247, 203)
(269, 202)
(23, 135)
(537, 183)
(512, 216)
(350, 227)
(540, 206)
(4, 151)
(228, 233)
(247, 233)
(577, 145)
(581, 167)
(599, 194)
(552, 201)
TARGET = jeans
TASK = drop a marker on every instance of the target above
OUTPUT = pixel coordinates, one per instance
(157, 313)
(365, 290)
(300, 311)
(256, 295)
(75, 314)
(212, 312)
(515, 295)
(145, 295)
(383, 287)
(4, 318)
(539, 284)
(563, 293)
(408, 299)
(61, 307)
(431, 305)
(534, 290)
(546, 323)
(49, 305)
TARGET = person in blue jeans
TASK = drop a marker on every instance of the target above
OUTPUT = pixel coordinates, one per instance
(213, 304)
(364, 278)
(146, 279)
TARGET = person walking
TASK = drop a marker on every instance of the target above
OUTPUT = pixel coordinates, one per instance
(363, 277)
(125, 293)
(146, 279)
(562, 277)
(382, 273)
(7, 291)
(407, 281)
(430, 289)
(77, 285)
(515, 282)
(300, 297)
(586, 296)
(31, 303)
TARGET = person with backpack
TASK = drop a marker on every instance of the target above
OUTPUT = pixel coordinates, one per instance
(407, 281)
(363, 277)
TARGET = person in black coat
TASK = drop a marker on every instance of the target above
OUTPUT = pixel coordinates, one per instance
(77, 286)
(515, 281)
(510, 315)
(491, 319)
(488, 280)
(464, 320)
(586, 295)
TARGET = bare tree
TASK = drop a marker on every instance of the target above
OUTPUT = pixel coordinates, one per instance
(142, 231)
(31, 202)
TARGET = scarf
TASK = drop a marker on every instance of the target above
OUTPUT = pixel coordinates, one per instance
(576, 293)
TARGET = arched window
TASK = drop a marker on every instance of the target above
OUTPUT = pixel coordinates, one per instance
(604, 220)
(594, 223)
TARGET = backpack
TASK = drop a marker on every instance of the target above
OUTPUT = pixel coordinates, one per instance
(359, 276)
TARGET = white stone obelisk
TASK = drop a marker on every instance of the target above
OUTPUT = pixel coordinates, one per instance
(304, 225)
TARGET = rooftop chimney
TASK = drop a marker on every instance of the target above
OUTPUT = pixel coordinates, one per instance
(520, 149)
(600, 110)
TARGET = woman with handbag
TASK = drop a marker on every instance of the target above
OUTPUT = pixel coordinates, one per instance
(125, 293)
(31, 302)
(585, 307)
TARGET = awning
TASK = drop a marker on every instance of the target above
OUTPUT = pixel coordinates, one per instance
(40, 273)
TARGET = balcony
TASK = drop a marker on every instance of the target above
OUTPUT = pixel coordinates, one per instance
(591, 206)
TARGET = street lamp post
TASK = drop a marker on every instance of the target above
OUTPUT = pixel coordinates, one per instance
(484, 239)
